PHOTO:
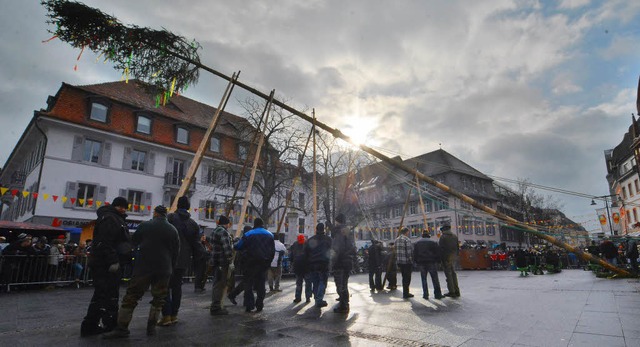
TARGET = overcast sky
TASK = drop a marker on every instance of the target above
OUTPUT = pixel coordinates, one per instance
(516, 89)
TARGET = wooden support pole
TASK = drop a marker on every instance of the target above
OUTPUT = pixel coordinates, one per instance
(256, 159)
(424, 213)
(197, 158)
(315, 184)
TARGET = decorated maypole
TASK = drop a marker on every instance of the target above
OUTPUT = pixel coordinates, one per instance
(170, 63)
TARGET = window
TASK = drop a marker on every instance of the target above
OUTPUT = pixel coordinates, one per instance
(242, 152)
(301, 202)
(301, 225)
(135, 200)
(92, 151)
(144, 125)
(630, 190)
(182, 135)
(210, 175)
(99, 112)
(137, 160)
(210, 209)
(413, 208)
(491, 228)
(624, 192)
(396, 211)
(85, 195)
(215, 145)
(637, 185)
(635, 214)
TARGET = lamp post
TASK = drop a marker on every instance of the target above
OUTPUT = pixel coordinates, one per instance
(606, 205)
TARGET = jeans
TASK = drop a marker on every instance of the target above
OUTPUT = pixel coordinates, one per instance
(341, 277)
(274, 277)
(174, 294)
(375, 278)
(319, 282)
(200, 273)
(306, 278)
(405, 270)
(255, 276)
(432, 270)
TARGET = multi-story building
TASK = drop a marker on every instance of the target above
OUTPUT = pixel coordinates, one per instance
(95, 142)
(624, 184)
(382, 192)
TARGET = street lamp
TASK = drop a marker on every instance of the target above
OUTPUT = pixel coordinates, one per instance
(606, 205)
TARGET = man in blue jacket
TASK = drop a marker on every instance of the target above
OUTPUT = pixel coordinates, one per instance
(426, 253)
(258, 249)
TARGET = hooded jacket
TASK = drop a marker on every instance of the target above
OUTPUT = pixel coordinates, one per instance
(111, 239)
(426, 251)
(189, 233)
(159, 247)
(343, 249)
(317, 251)
(448, 244)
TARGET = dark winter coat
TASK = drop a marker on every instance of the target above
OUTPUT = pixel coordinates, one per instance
(521, 258)
(448, 244)
(632, 249)
(375, 256)
(426, 251)
(257, 246)
(111, 239)
(189, 233)
(296, 253)
(159, 245)
(343, 249)
(317, 251)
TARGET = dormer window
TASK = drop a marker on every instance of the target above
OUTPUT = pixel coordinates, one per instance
(99, 112)
(143, 125)
(182, 135)
(242, 152)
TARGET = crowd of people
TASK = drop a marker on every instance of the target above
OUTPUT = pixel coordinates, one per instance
(30, 261)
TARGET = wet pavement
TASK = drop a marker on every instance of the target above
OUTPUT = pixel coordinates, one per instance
(497, 308)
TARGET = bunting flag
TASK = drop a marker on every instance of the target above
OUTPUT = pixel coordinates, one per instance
(25, 194)
(3, 191)
(64, 199)
(45, 196)
(81, 201)
(35, 195)
(55, 198)
(141, 207)
(73, 201)
(129, 207)
(148, 207)
(14, 192)
(98, 203)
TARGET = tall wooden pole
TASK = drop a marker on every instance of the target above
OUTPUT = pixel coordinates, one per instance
(197, 158)
(256, 159)
(315, 184)
(424, 213)
(392, 259)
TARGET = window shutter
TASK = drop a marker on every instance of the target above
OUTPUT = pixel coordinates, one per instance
(201, 212)
(221, 178)
(151, 161)
(165, 199)
(71, 192)
(102, 195)
(76, 153)
(126, 159)
(169, 165)
(106, 154)
(146, 200)
(122, 193)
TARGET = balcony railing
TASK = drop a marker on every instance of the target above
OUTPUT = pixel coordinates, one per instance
(174, 181)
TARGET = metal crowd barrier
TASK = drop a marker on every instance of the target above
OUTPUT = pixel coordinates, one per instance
(30, 271)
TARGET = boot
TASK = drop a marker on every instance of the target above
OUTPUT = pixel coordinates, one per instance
(165, 321)
(89, 328)
(122, 329)
(153, 318)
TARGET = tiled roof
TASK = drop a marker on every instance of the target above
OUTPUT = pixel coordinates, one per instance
(441, 161)
(141, 95)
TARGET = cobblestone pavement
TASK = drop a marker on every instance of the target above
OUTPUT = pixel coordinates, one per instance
(497, 308)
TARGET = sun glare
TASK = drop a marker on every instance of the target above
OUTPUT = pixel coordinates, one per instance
(359, 129)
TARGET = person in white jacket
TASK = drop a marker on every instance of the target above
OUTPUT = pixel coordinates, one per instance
(275, 271)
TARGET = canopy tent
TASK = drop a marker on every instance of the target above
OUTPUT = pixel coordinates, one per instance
(11, 230)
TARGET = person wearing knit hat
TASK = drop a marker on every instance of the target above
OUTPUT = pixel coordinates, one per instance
(296, 253)
(189, 234)
(111, 249)
(159, 245)
(343, 250)
(222, 255)
(317, 252)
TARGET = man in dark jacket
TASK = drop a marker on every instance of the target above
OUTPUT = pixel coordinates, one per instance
(159, 246)
(449, 247)
(258, 251)
(111, 245)
(189, 232)
(375, 266)
(317, 251)
(296, 253)
(609, 251)
(426, 253)
(343, 251)
(222, 254)
(631, 253)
